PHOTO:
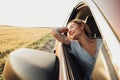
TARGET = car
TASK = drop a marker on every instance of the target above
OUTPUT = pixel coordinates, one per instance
(103, 19)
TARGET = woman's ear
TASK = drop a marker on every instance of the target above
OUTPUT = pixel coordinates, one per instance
(82, 26)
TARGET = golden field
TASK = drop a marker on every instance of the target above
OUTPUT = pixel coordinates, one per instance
(16, 37)
(12, 38)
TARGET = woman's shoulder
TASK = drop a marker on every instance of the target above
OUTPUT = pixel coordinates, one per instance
(74, 44)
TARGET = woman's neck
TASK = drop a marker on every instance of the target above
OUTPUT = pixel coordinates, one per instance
(84, 40)
(88, 44)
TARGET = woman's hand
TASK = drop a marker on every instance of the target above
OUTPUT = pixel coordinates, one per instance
(58, 34)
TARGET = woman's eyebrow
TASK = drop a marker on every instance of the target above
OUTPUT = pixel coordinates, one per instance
(72, 26)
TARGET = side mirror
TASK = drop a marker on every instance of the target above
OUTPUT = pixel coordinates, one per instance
(29, 64)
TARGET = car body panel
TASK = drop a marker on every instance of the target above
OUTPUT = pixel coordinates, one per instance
(111, 11)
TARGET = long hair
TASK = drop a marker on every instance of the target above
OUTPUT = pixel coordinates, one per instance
(86, 27)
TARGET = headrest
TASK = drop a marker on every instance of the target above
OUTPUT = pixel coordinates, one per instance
(93, 27)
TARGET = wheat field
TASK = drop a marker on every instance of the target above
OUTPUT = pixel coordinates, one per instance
(16, 37)
(12, 38)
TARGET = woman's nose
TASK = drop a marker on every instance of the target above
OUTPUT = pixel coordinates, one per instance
(70, 31)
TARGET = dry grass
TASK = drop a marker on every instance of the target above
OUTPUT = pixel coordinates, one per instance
(12, 38)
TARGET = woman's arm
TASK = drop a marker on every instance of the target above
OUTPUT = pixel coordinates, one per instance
(58, 34)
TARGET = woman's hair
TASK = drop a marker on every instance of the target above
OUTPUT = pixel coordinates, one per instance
(86, 28)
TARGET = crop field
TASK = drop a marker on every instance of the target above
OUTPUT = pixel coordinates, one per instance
(12, 38)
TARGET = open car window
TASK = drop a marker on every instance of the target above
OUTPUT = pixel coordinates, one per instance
(81, 12)
(97, 23)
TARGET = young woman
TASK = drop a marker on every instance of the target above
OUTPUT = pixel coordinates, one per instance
(83, 47)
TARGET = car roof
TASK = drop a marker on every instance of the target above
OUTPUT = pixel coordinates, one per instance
(110, 10)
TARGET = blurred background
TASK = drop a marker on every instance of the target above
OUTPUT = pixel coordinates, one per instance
(28, 23)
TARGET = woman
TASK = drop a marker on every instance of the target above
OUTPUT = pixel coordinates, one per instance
(83, 47)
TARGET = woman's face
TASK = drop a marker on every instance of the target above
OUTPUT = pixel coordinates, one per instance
(74, 31)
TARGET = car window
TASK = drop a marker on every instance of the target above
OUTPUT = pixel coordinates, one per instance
(83, 13)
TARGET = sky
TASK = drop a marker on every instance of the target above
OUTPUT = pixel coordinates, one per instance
(35, 13)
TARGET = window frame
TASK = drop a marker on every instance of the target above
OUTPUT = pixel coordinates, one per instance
(103, 25)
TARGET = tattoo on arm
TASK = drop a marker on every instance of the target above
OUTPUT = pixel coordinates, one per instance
(58, 34)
